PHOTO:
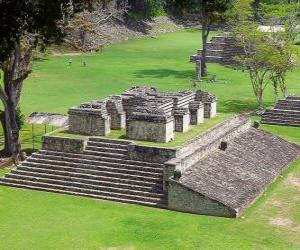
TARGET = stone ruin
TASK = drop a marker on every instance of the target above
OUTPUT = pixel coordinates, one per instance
(145, 113)
(221, 49)
(286, 112)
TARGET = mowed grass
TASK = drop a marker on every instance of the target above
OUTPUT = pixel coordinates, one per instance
(39, 220)
(163, 62)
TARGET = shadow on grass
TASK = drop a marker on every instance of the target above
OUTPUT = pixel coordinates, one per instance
(161, 73)
(236, 106)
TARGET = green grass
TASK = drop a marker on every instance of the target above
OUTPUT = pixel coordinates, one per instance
(38, 220)
(180, 138)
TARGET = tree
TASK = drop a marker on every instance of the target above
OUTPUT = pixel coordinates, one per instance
(209, 12)
(268, 56)
(25, 25)
(81, 27)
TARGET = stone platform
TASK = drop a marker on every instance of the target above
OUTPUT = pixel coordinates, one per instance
(219, 172)
(144, 112)
(285, 113)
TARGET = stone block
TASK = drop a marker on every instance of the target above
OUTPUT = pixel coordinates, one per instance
(89, 123)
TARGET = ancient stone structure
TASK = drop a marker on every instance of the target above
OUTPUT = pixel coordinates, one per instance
(210, 103)
(145, 113)
(90, 119)
(286, 112)
(219, 172)
(221, 49)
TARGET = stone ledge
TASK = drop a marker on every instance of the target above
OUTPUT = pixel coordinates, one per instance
(63, 144)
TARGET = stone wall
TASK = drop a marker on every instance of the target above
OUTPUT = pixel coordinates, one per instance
(151, 154)
(183, 199)
(150, 131)
(69, 145)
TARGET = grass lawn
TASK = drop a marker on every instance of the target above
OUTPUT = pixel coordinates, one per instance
(38, 220)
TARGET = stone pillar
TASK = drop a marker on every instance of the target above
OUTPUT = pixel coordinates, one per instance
(182, 119)
(210, 103)
(197, 112)
(198, 69)
(117, 115)
(210, 109)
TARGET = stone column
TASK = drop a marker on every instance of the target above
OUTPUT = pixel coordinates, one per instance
(198, 69)
(197, 112)
(182, 119)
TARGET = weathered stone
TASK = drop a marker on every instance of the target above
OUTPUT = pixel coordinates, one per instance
(69, 145)
(197, 112)
(182, 119)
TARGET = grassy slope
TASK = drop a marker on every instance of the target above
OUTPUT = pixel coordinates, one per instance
(36, 220)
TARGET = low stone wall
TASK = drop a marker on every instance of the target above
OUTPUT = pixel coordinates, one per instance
(151, 154)
(62, 144)
(183, 199)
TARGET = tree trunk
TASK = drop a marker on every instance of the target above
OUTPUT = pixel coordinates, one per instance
(13, 146)
(15, 70)
(5, 150)
(205, 33)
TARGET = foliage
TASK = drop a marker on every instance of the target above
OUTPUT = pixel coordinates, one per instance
(268, 56)
(209, 13)
(20, 117)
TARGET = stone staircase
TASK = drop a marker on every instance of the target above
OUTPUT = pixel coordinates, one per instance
(286, 112)
(102, 171)
(221, 49)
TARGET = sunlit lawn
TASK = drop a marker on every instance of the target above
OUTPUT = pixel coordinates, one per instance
(38, 220)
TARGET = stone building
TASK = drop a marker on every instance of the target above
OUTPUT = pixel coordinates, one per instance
(145, 113)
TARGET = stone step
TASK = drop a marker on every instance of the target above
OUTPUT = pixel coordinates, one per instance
(280, 120)
(115, 151)
(107, 145)
(104, 174)
(281, 123)
(80, 192)
(70, 162)
(97, 158)
(80, 183)
(151, 184)
(117, 171)
(296, 98)
(110, 141)
(281, 114)
(288, 103)
(281, 117)
(93, 151)
(213, 45)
